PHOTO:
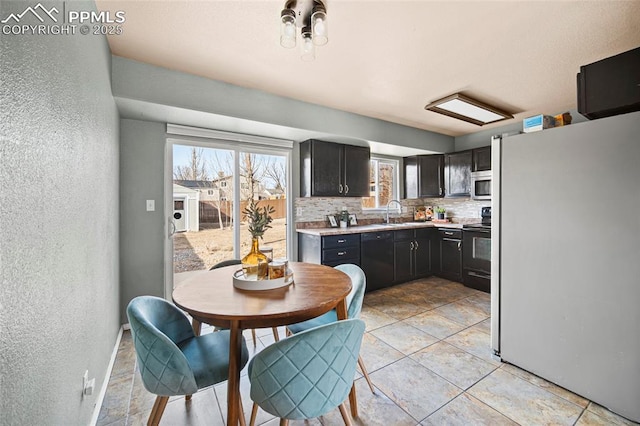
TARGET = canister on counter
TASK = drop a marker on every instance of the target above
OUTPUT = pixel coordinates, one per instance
(277, 268)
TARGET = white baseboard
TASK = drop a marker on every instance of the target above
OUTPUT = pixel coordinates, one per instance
(105, 382)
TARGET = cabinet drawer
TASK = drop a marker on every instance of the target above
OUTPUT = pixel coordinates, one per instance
(329, 255)
(424, 233)
(375, 236)
(337, 241)
(405, 234)
(455, 234)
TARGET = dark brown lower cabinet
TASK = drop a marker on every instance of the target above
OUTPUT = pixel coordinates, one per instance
(389, 257)
(330, 250)
(412, 254)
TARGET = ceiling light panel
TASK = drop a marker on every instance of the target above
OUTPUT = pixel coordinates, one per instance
(467, 109)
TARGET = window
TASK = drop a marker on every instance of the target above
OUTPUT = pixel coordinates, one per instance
(244, 185)
(210, 192)
(223, 184)
(383, 185)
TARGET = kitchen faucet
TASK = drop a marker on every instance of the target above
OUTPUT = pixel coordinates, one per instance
(389, 204)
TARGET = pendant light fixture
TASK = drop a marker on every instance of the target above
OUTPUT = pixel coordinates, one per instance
(311, 17)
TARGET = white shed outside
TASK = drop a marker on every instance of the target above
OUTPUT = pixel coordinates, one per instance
(186, 209)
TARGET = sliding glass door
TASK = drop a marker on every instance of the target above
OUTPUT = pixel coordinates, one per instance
(211, 185)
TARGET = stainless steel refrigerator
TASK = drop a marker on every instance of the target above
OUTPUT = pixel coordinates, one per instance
(566, 257)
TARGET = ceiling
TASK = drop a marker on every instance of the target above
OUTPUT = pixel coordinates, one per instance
(388, 59)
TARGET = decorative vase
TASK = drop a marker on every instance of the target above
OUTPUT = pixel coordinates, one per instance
(255, 264)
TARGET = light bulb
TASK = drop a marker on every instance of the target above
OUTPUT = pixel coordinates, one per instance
(308, 48)
(289, 29)
(319, 27)
(308, 45)
(320, 30)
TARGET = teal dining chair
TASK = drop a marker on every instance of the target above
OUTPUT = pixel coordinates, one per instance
(308, 374)
(171, 358)
(354, 307)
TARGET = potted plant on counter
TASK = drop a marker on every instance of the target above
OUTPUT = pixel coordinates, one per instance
(440, 211)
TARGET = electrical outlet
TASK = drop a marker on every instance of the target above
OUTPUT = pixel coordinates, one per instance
(151, 205)
(298, 211)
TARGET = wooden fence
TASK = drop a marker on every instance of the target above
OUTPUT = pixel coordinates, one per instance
(209, 210)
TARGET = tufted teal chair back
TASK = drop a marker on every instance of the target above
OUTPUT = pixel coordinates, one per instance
(308, 374)
(359, 284)
(158, 328)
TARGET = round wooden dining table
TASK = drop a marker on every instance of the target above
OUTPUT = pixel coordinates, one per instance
(210, 297)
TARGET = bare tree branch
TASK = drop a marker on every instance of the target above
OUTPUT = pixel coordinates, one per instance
(276, 171)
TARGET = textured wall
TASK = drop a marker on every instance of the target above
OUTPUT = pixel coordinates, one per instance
(142, 145)
(59, 295)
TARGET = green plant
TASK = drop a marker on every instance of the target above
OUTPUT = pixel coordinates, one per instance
(439, 209)
(259, 218)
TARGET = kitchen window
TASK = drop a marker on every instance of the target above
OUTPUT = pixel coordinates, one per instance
(384, 183)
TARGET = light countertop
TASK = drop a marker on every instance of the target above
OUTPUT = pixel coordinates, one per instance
(359, 229)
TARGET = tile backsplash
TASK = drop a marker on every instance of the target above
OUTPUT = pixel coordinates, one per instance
(316, 209)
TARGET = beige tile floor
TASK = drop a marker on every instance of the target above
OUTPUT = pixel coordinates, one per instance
(428, 355)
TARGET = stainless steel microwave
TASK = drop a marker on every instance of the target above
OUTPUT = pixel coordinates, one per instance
(481, 185)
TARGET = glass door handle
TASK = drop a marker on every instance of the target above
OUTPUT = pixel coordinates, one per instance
(172, 228)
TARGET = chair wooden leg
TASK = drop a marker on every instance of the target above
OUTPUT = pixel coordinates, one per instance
(365, 373)
(187, 397)
(254, 414)
(345, 414)
(197, 327)
(284, 422)
(253, 335)
(241, 418)
(275, 334)
(157, 410)
(288, 332)
(353, 401)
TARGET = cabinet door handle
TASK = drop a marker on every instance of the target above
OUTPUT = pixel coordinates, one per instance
(342, 253)
(340, 188)
(448, 233)
(342, 241)
(459, 244)
(346, 188)
(411, 244)
(417, 245)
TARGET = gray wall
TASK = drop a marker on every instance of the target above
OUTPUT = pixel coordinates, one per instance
(142, 145)
(149, 92)
(59, 295)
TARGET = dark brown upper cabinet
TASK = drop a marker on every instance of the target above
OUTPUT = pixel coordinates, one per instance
(330, 169)
(424, 176)
(457, 174)
(481, 159)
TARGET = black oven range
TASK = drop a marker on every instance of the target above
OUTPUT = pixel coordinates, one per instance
(476, 253)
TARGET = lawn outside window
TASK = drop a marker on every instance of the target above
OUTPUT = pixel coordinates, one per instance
(384, 180)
